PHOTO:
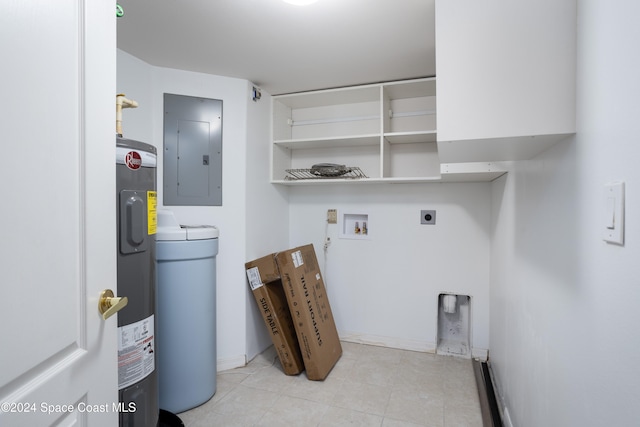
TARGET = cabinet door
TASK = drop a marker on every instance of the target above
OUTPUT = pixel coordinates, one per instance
(192, 151)
(505, 69)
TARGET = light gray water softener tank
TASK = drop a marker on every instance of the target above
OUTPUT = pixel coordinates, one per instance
(136, 213)
(186, 313)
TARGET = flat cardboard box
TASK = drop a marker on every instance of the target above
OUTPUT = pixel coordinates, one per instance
(265, 283)
(310, 309)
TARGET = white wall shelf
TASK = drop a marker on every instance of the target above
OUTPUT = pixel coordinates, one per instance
(472, 171)
(338, 141)
(410, 137)
(449, 172)
(388, 130)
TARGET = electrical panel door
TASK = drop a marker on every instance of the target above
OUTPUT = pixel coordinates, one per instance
(192, 151)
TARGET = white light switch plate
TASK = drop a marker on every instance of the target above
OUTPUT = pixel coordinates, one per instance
(613, 219)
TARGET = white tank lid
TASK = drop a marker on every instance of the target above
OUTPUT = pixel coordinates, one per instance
(169, 229)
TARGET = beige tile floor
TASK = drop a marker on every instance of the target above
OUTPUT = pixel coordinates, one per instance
(369, 386)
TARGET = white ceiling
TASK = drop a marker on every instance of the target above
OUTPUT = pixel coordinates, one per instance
(284, 48)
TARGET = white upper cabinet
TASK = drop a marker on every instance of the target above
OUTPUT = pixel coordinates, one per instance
(505, 77)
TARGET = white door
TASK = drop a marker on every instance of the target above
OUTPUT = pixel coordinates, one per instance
(58, 358)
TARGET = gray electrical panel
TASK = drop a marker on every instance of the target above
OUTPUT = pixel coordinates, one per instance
(192, 151)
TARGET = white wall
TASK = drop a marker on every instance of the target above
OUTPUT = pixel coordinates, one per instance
(147, 84)
(134, 80)
(267, 216)
(564, 304)
(385, 290)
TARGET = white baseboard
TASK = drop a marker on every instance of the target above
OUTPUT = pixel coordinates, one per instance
(403, 344)
(391, 342)
(231, 363)
(481, 354)
(380, 341)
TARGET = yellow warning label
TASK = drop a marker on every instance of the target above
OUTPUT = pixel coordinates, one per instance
(152, 212)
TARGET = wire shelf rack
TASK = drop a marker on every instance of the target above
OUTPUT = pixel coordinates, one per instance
(351, 172)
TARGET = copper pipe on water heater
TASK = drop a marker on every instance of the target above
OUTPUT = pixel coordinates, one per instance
(122, 102)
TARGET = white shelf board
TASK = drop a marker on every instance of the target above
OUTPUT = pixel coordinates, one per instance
(410, 137)
(496, 149)
(408, 180)
(327, 181)
(463, 172)
(472, 172)
(340, 141)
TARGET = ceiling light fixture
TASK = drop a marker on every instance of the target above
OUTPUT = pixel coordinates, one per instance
(300, 2)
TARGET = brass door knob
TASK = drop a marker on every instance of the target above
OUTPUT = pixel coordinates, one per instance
(108, 304)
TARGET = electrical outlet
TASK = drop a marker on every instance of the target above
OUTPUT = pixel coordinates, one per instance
(427, 217)
(332, 216)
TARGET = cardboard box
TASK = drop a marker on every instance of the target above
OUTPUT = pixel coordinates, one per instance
(310, 309)
(265, 283)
